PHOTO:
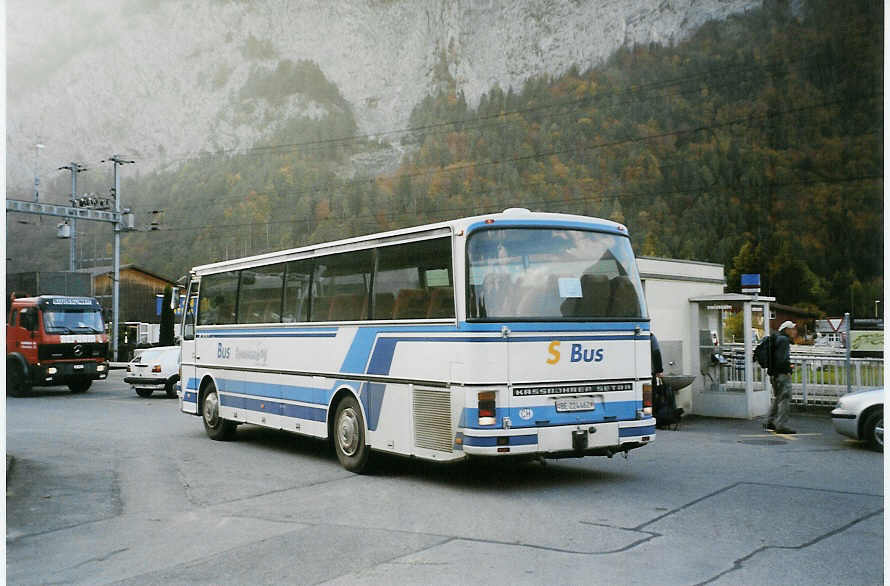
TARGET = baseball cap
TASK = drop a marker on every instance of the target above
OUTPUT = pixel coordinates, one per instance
(787, 324)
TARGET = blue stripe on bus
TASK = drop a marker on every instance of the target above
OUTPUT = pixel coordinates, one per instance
(294, 335)
(273, 407)
(548, 416)
(636, 431)
(275, 330)
(190, 397)
(356, 361)
(557, 326)
(315, 395)
(491, 441)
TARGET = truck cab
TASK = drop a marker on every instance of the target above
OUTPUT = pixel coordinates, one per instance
(55, 340)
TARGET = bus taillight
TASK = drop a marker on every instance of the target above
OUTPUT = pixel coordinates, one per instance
(487, 408)
(647, 398)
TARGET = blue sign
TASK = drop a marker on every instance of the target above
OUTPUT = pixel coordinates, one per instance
(751, 280)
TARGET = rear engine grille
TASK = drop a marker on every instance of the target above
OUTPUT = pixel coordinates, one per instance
(432, 420)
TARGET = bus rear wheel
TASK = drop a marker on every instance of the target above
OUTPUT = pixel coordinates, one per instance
(17, 383)
(216, 427)
(349, 436)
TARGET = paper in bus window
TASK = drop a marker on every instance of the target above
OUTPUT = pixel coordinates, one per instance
(570, 287)
(437, 278)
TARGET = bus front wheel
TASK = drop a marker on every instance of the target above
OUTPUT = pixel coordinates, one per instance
(216, 427)
(349, 436)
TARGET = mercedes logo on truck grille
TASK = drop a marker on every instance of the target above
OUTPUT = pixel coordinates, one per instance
(78, 350)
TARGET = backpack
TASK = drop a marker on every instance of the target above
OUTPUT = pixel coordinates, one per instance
(763, 350)
(665, 406)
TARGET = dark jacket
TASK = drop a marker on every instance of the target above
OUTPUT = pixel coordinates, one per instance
(655, 350)
(781, 355)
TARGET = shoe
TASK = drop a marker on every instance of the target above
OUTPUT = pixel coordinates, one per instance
(785, 430)
(769, 426)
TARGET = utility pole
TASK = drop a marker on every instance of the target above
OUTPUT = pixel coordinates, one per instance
(118, 228)
(75, 168)
(37, 148)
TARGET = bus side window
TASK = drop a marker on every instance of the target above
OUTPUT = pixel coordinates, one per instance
(219, 296)
(259, 297)
(296, 291)
(413, 281)
(342, 281)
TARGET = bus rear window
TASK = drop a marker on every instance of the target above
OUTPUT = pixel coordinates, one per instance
(551, 274)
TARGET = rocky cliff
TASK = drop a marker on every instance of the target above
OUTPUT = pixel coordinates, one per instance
(164, 79)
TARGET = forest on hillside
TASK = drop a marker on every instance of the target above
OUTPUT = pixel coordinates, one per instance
(756, 143)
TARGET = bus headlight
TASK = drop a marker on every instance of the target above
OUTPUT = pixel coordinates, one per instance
(101, 368)
(52, 370)
(487, 408)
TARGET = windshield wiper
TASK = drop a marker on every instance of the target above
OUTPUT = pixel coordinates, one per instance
(59, 330)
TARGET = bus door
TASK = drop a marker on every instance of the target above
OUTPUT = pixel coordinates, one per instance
(188, 395)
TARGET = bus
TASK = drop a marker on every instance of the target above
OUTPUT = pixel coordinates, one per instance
(511, 334)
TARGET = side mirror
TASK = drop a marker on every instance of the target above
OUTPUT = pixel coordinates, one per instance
(188, 331)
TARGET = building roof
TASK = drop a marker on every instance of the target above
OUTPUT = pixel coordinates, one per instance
(730, 297)
(97, 271)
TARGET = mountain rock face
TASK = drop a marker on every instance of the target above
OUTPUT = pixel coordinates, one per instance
(165, 79)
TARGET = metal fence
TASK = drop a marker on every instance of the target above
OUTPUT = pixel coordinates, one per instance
(818, 380)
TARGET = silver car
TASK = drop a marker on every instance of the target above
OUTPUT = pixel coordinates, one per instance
(860, 415)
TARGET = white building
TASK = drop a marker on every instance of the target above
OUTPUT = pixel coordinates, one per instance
(686, 303)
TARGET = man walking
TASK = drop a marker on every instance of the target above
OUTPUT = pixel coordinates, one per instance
(780, 376)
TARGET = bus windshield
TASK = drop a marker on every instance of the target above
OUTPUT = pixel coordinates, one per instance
(72, 320)
(551, 274)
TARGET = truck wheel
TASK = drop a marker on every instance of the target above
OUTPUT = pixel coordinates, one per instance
(170, 387)
(349, 436)
(216, 427)
(17, 384)
(144, 393)
(80, 385)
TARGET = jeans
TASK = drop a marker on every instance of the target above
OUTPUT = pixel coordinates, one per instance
(780, 410)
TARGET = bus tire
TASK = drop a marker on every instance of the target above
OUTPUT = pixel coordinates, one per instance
(216, 427)
(170, 387)
(17, 384)
(144, 393)
(80, 385)
(349, 436)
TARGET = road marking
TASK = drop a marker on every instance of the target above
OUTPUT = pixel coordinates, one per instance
(787, 436)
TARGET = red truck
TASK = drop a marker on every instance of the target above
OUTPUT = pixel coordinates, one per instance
(55, 340)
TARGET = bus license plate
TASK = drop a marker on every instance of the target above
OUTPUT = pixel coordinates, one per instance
(576, 404)
(78, 366)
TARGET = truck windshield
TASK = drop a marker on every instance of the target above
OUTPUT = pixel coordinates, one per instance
(552, 274)
(72, 320)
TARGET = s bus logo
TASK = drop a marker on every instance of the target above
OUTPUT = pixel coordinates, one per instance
(554, 352)
(578, 354)
(223, 351)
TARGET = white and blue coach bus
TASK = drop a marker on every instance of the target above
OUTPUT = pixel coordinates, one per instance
(509, 334)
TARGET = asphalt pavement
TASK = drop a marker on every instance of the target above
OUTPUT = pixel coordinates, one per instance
(110, 488)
